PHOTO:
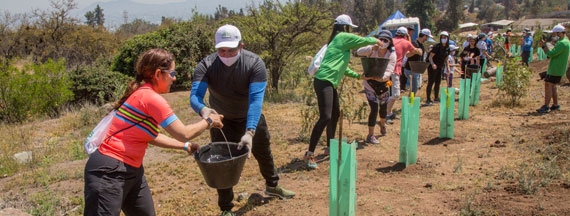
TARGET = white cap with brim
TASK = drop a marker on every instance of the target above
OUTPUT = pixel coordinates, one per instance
(402, 31)
(228, 36)
(344, 20)
(558, 28)
(426, 32)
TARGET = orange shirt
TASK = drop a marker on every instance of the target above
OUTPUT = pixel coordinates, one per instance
(137, 122)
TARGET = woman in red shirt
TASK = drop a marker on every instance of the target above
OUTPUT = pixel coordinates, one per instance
(114, 175)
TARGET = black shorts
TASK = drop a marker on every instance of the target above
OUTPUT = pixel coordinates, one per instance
(552, 79)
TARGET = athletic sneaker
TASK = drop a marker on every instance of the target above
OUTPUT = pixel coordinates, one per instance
(279, 192)
(372, 139)
(389, 121)
(227, 213)
(327, 152)
(436, 100)
(554, 107)
(429, 103)
(383, 130)
(310, 160)
(543, 109)
(392, 116)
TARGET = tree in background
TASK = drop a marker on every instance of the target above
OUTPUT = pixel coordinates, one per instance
(95, 17)
(99, 16)
(489, 11)
(279, 32)
(452, 16)
(423, 9)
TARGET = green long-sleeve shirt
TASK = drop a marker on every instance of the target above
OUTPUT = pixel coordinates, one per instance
(558, 58)
(337, 56)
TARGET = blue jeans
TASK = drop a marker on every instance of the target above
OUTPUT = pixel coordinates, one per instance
(415, 81)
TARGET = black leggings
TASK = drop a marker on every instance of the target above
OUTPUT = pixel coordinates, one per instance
(374, 112)
(434, 77)
(329, 110)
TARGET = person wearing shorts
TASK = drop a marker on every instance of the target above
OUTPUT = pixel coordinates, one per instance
(114, 174)
(556, 67)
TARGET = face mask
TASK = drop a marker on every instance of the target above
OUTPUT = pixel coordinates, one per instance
(444, 40)
(229, 61)
(555, 38)
(385, 45)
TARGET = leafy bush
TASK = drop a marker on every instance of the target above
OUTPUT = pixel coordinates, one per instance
(34, 90)
(97, 84)
(516, 80)
(189, 42)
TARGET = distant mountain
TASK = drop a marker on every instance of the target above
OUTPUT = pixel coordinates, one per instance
(114, 15)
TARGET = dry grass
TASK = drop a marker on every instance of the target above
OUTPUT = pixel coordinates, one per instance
(53, 183)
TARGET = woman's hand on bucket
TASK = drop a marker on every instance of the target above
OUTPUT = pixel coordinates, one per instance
(193, 148)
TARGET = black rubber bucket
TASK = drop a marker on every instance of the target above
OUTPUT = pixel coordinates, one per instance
(219, 169)
(418, 67)
(374, 67)
(471, 69)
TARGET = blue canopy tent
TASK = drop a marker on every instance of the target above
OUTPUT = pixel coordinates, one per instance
(396, 15)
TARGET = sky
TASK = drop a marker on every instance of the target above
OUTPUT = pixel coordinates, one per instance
(21, 6)
(135, 9)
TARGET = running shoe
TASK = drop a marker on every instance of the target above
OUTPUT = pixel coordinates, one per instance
(279, 192)
(543, 109)
(310, 160)
(554, 107)
(227, 213)
(372, 139)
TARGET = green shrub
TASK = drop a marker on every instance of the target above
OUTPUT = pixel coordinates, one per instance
(35, 90)
(97, 84)
(189, 42)
(516, 80)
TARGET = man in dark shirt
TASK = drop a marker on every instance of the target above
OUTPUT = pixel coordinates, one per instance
(236, 79)
(425, 34)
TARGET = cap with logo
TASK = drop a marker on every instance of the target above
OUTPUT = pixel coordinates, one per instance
(228, 36)
(344, 20)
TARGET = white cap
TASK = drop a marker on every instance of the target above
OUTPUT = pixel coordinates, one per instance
(426, 32)
(228, 36)
(344, 20)
(558, 28)
(490, 33)
(444, 33)
(402, 30)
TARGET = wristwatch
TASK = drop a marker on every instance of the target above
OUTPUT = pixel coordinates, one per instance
(210, 122)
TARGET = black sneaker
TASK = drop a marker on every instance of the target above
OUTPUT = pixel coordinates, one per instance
(554, 107)
(543, 109)
(436, 100)
(429, 103)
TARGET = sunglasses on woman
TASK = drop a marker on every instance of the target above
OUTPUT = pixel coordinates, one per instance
(171, 72)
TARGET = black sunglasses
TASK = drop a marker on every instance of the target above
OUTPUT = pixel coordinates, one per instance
(171, 72)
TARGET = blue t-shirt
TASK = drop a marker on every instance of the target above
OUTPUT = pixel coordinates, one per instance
(527, 44)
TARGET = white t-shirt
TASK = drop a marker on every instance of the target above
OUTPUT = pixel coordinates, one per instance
(482, 46)
(451, 62)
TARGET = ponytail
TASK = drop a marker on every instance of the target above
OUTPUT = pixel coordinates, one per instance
(147, 64)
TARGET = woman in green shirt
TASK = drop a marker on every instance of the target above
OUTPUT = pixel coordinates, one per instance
(333, 67)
